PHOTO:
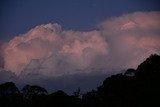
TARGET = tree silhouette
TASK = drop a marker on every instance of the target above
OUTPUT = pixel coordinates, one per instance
(121, 90)
(61, 99)
(130, 72)
(10, 95)
(33, 90)
(149, 67)
(77, 93)
(8, 88)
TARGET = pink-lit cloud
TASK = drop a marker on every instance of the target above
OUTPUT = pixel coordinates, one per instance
(132, 37)
(119, 43)
(53, 50)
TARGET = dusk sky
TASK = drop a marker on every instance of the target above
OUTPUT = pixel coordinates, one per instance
(53, 40)
(19, 16)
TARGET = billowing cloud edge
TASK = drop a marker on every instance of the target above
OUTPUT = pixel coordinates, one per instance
(119, 43)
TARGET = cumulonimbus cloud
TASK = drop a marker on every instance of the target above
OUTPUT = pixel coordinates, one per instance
(118, 43)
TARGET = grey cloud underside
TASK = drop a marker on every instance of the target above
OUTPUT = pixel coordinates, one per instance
(67, 83)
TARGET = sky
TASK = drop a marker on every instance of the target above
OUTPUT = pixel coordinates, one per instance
(19, 16)
(65, 44)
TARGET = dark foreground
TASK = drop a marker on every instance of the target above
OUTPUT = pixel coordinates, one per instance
(134, 88)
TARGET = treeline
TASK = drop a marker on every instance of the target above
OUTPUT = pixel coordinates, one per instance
(134, 88)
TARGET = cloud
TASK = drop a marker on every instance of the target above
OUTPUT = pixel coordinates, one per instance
(53, 52)
(131, 37)
(2, 47)
(6, 76)
(117, 43)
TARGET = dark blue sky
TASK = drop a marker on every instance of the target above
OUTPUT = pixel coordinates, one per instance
(19, 16)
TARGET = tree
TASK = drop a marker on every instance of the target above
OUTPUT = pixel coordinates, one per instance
(8, 88)
(10, 95)
(33, 90)
(77, 93)
(130, 72)
(149, 67)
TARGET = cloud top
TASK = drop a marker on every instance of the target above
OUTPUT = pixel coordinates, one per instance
(52, 51)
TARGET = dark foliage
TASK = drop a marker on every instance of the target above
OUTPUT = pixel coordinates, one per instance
(30, 91)
(134, 88)
(150, 67)
(9, 95)
(130, 72)
(8, 88)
